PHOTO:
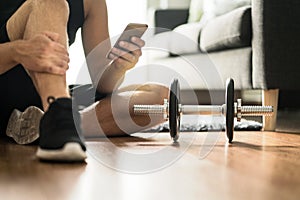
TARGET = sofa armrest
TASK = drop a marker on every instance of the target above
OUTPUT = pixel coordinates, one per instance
(168, 19)
(276, 44)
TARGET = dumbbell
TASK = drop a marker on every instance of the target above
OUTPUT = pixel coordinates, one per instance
(172, 109)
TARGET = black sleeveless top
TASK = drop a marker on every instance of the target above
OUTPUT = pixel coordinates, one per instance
(76, 17)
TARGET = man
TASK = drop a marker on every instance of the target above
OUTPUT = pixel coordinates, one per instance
(34, 38)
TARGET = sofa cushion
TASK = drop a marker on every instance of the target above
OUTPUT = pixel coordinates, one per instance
(185, 39)
(231, 30)
(182, 40)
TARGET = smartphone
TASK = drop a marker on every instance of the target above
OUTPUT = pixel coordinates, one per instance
(132, 29)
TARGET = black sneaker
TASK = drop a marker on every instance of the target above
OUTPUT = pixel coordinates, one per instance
(60, 140)
(23, 127)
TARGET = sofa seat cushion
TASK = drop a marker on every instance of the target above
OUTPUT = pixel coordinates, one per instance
(231, 30)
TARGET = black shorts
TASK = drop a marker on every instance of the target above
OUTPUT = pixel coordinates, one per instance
(18, 92)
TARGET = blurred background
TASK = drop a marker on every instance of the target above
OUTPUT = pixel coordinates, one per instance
(120, 13)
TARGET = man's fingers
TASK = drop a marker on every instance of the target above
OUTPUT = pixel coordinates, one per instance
(59, 48)
(123, 54)
(63, 64)
(60, 61)
(55, 70)
(120, 62)
(64, 57)
(128, 46)
(138, 41)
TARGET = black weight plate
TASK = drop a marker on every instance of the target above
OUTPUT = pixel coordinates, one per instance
(174, 115)
(229, 101)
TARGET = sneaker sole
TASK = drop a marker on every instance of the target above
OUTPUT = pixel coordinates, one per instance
(71, 152)
(23, 127)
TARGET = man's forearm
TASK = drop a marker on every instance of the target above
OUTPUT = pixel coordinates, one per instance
(8, 56)
(110, 79)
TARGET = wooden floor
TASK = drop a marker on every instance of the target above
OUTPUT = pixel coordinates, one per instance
(258, 165)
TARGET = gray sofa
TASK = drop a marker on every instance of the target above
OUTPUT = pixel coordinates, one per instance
(258, 46)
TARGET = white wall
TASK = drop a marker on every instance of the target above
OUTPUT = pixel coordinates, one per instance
(120, 13)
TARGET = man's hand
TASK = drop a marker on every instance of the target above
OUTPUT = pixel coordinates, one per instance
(43, 53)
(128, 56)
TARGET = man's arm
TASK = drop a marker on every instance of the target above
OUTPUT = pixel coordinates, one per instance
(41, 53)
(105, 73)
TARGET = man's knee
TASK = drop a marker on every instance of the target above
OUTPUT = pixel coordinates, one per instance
(163, 93)
(158, 93)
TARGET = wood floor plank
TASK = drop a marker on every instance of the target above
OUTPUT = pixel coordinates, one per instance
(257, 165)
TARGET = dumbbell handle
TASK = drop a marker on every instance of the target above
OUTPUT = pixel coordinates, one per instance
(184, 109)
(202, 109)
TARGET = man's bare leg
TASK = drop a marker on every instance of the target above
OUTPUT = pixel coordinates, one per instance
(58, 134)
(34, 17)
(114, 115)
